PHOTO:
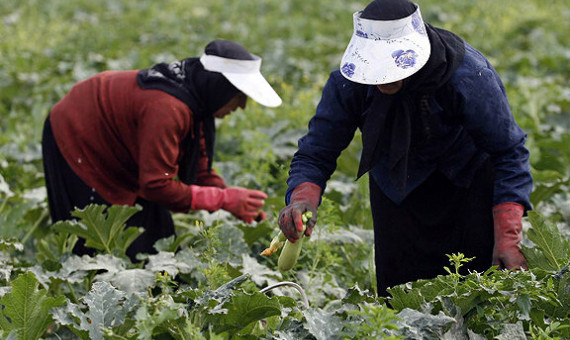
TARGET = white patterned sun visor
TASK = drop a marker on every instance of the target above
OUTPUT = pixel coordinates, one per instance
(382, 52)
(245, 75)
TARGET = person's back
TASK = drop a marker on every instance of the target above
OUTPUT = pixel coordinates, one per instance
(104, 126)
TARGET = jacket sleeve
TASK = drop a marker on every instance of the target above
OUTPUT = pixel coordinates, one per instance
(207, 178)
(330, 131)
(489, 120)
(160, 132)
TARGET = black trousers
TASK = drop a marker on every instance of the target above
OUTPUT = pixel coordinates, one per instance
(66, 191)
(438, 218)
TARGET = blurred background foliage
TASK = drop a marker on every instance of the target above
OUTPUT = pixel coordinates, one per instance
(48, 45)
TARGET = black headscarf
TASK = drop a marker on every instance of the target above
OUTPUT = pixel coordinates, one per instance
(391, 114)
(204, 92)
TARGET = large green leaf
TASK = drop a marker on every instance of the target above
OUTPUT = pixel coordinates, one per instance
(323, 324)
(355, 296)
(512, 331)
(552, 250)
(260, 274)
(106, 308)
(130, 280)
(244, 309)
(102, 227)
(544, 191)
(168, 262)
(223, 293)
(419, 325)
(26, 309)
(54, 246)
(10, 244)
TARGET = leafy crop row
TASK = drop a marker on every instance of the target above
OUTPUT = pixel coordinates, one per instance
(202, 285)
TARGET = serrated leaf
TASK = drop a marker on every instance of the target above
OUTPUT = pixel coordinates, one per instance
(223, 293)
(129, 280)
(70, 315)
(260, 274)
(54, 246)
(322, 324)
(292, 330)
(171, 243)
(10, 244)
(553, 246)
(147, 323)
(524, 303)
(563, 295)
(102, 227)
(26, 309)
(233, 245)
(105, 310)
(356, 296)
(512, 331)
(418, 325)
(196, 264)
(261, 230)
(47, 278)
(168, 262)
(74, 267)
(244, 309)
(105, 262)
(542, 192)
(403, 298)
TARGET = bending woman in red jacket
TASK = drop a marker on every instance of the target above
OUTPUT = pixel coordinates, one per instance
(147, 137)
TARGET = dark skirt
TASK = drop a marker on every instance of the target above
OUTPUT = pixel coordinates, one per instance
(66, 191)
(438, 218)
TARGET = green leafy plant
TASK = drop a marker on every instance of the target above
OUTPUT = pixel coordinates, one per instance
(377, 321)
(487, 301)
(103, 228)
(25, 311)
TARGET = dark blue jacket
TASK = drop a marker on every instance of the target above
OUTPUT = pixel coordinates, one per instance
(480, 126)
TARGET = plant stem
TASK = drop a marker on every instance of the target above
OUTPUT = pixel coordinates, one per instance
(72, 292)
(292, 284)
(3, 204)
(34, 227)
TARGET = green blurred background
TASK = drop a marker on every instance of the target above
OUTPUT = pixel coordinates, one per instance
(48, 45)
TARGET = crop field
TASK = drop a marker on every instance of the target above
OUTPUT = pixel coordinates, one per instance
(210, 281)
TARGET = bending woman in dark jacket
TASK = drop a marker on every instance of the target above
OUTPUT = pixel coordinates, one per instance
(447, 164)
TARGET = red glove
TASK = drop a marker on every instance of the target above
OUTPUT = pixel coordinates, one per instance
(507, 219)
(305, 197)
(243, 203)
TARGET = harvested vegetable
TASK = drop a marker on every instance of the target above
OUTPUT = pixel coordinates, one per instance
(290, 253)
(276, 243)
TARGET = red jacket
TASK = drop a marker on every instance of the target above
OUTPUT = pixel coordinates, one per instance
(124, 141)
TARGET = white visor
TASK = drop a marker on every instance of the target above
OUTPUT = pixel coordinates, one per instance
(385, 51)
(245, 75)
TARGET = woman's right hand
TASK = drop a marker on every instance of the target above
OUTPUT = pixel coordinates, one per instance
(305, 197)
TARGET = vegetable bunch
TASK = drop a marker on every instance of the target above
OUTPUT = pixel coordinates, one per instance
(290, 253)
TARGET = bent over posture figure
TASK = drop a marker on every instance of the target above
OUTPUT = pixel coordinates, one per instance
(147, 137)
(447, 165)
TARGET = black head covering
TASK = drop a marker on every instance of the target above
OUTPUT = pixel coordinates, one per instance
(391, 114)
(388, 10)
(204, 92)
